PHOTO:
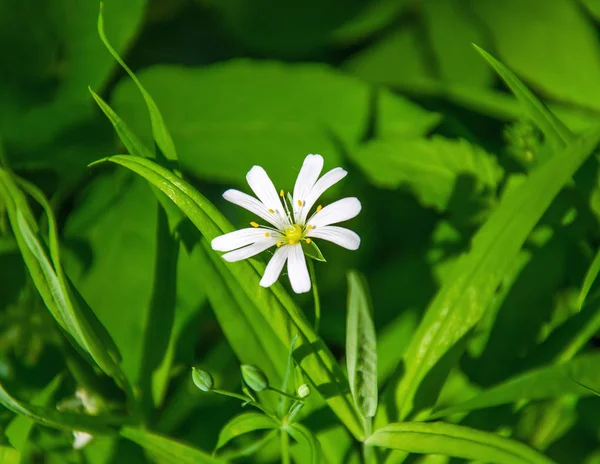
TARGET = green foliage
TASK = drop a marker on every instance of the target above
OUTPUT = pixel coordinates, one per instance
(478, 232)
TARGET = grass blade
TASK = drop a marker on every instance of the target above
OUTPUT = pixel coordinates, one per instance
(462, 301)
(590, 278)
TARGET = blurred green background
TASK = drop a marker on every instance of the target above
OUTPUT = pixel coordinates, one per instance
(392, 90)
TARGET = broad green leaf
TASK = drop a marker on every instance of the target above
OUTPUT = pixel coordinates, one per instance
(284, 318)
(167, 450)
(590, 277)
(20, 427)
(50, 417)
(361, 346)
(9, 455)
(307, 440)
(281, 113)
(71, 312)
(74, 37)
(432, 168)
(456, 441)
(547, 382)
(462, 300)
(161, 134)
(554, 130)
(244, 423)
(593, 6)
(550, 44)
(451, 29)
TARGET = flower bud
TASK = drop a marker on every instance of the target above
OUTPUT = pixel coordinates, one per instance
(202, 379)
(254, 377)
(303, 390)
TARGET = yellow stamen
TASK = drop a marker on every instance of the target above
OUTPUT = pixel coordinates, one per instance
(299, 202)
(292, 242)
(254, 224)
(319, 208)
(267, 234)
(281, 193)
(278, 244)
(271, 211)
(309, 227)
(308, 240)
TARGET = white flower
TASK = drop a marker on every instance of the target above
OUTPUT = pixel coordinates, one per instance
(290, 224)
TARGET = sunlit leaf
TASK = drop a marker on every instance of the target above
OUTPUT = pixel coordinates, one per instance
(306, 439)
(244, 423)
(456, 441)
(361, 346)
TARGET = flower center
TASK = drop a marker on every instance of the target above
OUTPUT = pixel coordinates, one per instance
(294, 233)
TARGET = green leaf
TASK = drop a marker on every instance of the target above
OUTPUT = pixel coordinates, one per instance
(590, 277)
(552, 128)
(9, 455)
(100, 424)
(430, 167)
(284, 320)
(244, 423)
(462, 300)
(162, 137)
(456, 441)
(451, 29)
(20, 427)
(550, 381)
(71, 312)
(361, 346)
(167, 450)
(523, 32)
(219, 125)
(307, 440)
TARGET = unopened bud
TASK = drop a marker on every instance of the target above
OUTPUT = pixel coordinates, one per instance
(254, 377)
(202, 379)
(303, 390)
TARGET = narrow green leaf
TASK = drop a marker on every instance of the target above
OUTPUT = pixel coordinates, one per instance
(361, 346)
(166, 449)
(18, 430)
(100, 424)
(456, 441)
(306, 439)
(46, 270)
(553, 129)
(248, 449)
(289, 379)
(462, 300)
(551, 381)
(9, 455)
(590, 277)
(284, 319)
(159, 130)
(244, 423)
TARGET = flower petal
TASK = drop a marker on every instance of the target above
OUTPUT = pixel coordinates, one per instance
(250, 250)
(297, 270)
(338, 235)
(308, 175)
(329, 178)
(240, 238)
(253, 205)
(263, 188)
(275, 266)
(338, 211)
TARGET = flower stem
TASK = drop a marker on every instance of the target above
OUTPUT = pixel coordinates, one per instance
(285, 446)
(245, 399)
(369, 456)
(315, 289)
(287, 395)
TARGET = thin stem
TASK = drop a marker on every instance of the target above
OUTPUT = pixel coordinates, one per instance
(369, 456)
(315, 289)
(285, 446)
(245, 399)
(287, 395)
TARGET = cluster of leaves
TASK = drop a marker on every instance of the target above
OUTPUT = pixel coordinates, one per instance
(479, 241)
